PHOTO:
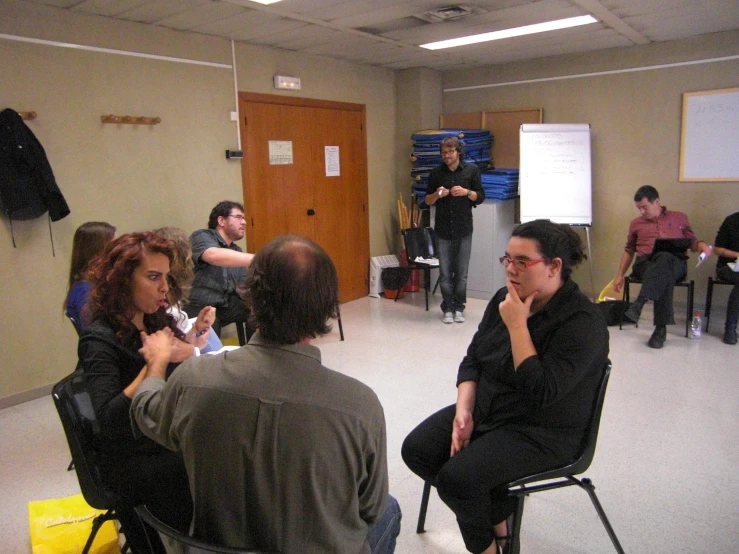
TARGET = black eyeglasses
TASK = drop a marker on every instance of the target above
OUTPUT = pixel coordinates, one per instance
(236, 216)
(505, 261)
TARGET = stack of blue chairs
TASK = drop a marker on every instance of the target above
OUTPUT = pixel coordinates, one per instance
(425, 157)
(500, 184)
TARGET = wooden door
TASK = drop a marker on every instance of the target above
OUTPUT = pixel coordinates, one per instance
(299, 197)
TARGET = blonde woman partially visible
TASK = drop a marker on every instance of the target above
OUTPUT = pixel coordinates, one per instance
(181, 275)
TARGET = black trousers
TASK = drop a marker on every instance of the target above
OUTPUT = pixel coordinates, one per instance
(473, 482)
(659, 272)
(732, 307)
(234, 311)
(159, 480)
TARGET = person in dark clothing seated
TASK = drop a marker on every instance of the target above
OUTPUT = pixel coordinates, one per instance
(130, 296)
(525, 389)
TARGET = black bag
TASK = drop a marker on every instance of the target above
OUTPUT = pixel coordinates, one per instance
(613, 310)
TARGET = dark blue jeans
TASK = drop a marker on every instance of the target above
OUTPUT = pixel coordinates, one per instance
(454, 260)
(383, 532)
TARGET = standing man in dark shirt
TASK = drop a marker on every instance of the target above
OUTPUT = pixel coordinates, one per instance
(220, 266)
(455, 188)
(727, 248)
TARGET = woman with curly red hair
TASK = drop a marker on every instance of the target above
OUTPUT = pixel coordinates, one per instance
(130, 300)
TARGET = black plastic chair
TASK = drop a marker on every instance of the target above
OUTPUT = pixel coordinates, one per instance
(74, 405)
(690, 285)
(709, 295)
(420, 242)
(176, 542)
(565, 477)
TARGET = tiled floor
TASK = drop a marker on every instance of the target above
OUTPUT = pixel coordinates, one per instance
(665, 468)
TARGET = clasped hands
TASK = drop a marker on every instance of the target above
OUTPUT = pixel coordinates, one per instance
(456, 190)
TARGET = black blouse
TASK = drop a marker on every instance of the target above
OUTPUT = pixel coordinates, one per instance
(554, 389)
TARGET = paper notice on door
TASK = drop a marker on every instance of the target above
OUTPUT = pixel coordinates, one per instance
(332, 161)
(280, 152)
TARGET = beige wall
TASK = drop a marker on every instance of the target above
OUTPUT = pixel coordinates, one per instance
(635, 121)
(419, 101)
(141, 177)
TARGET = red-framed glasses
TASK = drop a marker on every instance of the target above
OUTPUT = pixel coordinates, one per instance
(505, 261)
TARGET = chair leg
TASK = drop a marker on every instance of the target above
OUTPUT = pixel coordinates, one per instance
(341, 328)
(427, 285)
(689, 315)
(709, 298)
(241, 332)
(70, 467)
(590, 489)
(514, 526)
(436, 286)
(96, 524)
(424, 506)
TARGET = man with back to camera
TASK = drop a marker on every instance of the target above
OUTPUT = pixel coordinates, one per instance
(220, 266)
(455, 188)
(658, 271)
(283, 454)
(727, 248)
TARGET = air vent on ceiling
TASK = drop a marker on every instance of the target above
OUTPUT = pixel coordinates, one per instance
(451, 13)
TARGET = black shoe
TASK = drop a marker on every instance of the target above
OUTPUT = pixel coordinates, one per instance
(634, 311)
(730, 335)
(657, 340)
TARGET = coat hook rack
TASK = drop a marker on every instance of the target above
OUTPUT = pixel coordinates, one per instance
(130, 119)
(27, 116)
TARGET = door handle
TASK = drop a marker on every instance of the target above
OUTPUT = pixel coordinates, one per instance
(311, 211)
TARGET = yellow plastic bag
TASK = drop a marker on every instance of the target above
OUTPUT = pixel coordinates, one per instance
(62, 526)
(608, 293)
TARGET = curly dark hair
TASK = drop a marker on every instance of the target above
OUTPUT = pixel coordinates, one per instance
(292, 290)
(222, 209)
(554, 240)
(111, 297)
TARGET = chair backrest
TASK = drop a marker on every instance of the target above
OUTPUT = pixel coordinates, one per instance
(73, 402)
(176, 542)
(419, 241)
(75, 323)
(582, 463)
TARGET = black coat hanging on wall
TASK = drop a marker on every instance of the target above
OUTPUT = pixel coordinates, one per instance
(28, 188)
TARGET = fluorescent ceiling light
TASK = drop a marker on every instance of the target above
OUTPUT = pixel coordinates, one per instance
(266, 2)
(515, 32)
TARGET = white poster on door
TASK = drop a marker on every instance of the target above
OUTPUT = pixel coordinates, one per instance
(332, 161)
(280, 152)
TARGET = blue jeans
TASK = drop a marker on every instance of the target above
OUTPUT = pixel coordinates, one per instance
(454, 260)
(383, 532)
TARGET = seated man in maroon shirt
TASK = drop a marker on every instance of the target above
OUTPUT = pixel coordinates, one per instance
(658, 271)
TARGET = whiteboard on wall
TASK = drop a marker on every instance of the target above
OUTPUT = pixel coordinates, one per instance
(709, 142)
(555, 178)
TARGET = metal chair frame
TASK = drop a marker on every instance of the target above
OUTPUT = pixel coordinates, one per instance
(412, 252)
(709, 295)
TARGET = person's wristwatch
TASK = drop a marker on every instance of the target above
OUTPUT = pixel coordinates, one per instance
(468, 193)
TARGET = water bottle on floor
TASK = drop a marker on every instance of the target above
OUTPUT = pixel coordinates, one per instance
(696, 326)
